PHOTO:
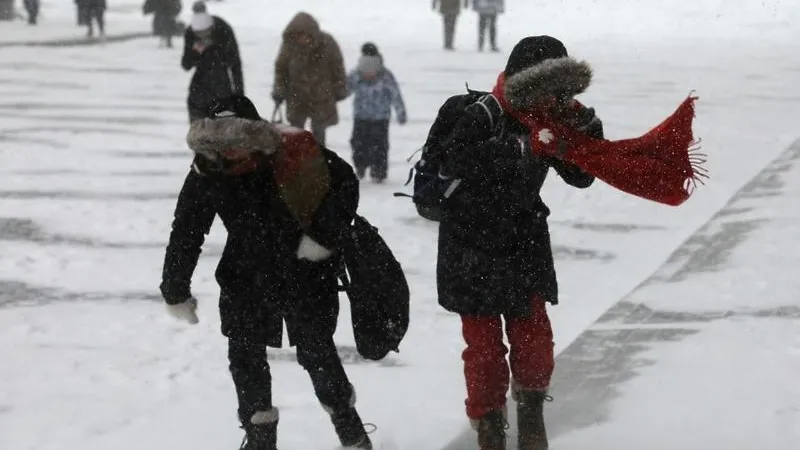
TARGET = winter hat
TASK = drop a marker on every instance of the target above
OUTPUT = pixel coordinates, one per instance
(370, 49)
(201, 21)
(199, 7)
(234, 106)
(233, 124)
(533, 50)
(370, 64)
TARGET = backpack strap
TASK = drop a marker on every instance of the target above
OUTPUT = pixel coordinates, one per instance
(491, 106)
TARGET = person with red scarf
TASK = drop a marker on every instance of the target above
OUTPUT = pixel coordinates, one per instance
(495, 261)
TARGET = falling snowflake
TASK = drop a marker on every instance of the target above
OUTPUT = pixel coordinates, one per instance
(546, 136)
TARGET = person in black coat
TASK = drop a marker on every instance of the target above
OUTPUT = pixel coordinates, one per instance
(32, 7)
(494, 258)
(279, 264)
(91, 11)
(210, 48)
(164, 14)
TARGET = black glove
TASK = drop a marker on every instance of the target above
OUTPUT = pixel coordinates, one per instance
(586, 121)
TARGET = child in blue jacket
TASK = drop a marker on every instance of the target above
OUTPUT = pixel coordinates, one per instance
(375, 92)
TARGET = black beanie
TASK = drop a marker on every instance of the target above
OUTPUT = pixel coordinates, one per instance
(370, 49)
(235, 106)
(531, 51)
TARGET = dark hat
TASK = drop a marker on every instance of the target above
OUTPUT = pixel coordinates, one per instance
(235, 106)
(532, 50)
(370, 49)
(199, 6)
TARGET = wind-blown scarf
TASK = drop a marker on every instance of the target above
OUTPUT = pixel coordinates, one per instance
(662, 165)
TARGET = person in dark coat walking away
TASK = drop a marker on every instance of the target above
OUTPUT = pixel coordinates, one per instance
(495, 260)
(309, 76)
(449, 9)
(32, 7)
(488, 10)
(164, 14)
(375, 92)
(286, 223)
(91, 11)
(210, 47)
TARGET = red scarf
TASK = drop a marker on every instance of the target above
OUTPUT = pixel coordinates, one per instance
(660, 165)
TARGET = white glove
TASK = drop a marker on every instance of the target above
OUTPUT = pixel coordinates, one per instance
(311, 250)
(185, 311)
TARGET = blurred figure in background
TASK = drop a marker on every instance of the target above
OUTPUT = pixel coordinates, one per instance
(449, 9)
(375, 92)
(210, 47)
(164, 14)
(32, 7)
(91, 11)
(309, 76)
(487, 21)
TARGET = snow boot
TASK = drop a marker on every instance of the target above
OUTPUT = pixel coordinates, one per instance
(261, 433)
(530, 420)
(350, 429)
(491, 430)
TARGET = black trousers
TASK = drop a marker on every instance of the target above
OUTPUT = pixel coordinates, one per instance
(316, 353)
(487, 22)
(449, 29)
(32, 7)
(95, 14)
(370, 143)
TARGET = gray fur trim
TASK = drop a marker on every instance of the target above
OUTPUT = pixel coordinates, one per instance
(210, 137)
(550, 77)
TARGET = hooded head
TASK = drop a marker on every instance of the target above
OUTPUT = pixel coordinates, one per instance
(540, 69)
(303, 30)
(234, 137)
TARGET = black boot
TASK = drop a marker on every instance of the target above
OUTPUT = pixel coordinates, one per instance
(350, 429)
(530, 420)
(262, 435)
(491, 431)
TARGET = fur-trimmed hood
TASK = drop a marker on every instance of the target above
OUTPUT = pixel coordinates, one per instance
(210, 137)
(563, 76)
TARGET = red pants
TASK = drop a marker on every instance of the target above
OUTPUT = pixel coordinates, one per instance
(485, 365)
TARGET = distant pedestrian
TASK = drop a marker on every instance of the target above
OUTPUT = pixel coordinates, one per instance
(164, 14)
(488, 10)
(375, 92)
(449, 9)
(210, 48)
(309, 76)
(32, 7)
(91, 12)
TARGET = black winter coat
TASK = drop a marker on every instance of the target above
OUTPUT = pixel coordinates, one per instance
(164, 14)
(260, 277)
(494, 242)
(218, 70)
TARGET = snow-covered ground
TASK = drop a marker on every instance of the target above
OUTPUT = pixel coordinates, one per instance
(92, 156)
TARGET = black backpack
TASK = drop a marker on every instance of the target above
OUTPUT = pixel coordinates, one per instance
(431, 188)
(377, 289)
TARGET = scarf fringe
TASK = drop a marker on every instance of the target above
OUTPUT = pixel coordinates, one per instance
(699, 173)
